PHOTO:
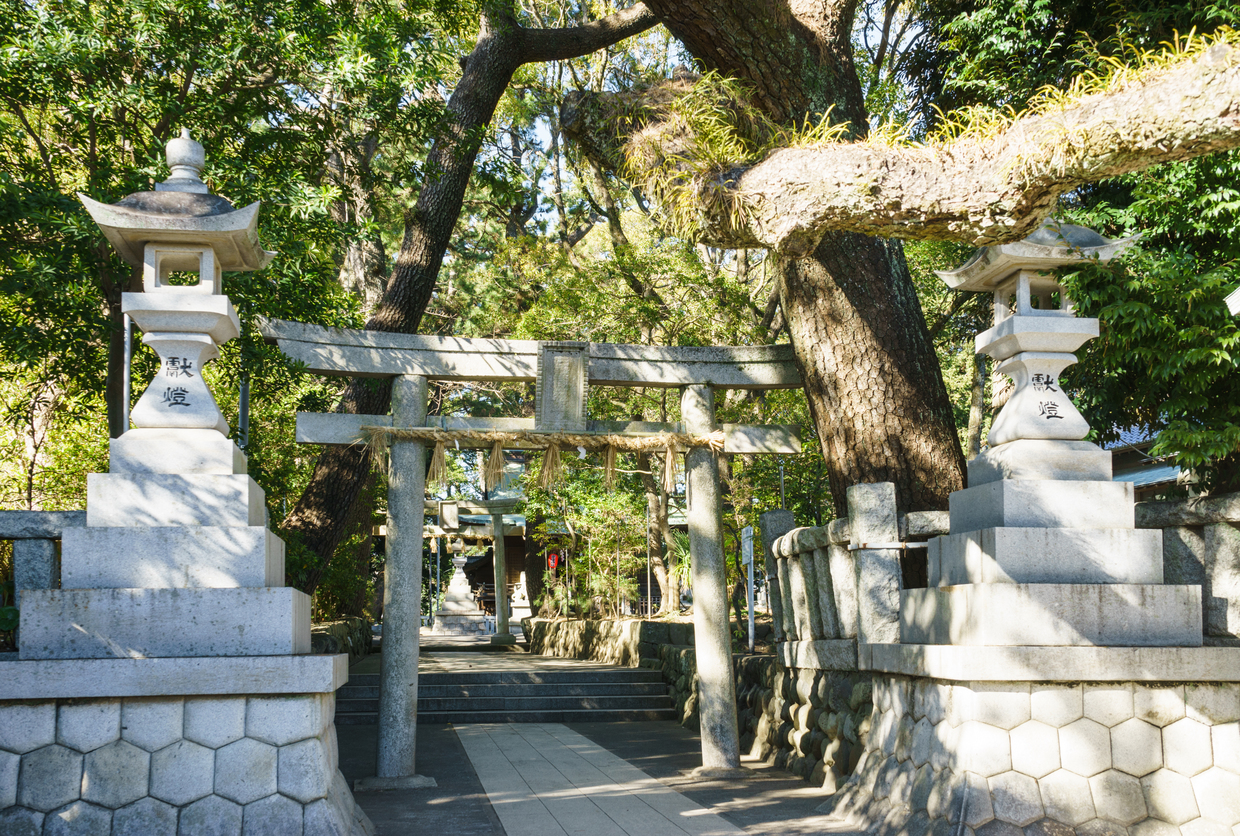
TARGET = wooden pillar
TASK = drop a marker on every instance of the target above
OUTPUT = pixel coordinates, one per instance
(713, 642)
(503, 635)
(402, 590)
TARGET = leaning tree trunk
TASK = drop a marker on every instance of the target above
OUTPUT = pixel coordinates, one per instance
(321, 517)
(871, 375)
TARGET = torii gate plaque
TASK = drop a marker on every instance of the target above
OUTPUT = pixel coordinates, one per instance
(563, 372)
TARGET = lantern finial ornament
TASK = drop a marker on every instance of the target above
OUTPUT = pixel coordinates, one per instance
(186, 161)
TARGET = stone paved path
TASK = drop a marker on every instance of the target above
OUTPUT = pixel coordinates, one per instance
(543, 779)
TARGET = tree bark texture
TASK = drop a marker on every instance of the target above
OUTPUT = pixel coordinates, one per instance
(873, 382)
(985, 187)
(320, 518)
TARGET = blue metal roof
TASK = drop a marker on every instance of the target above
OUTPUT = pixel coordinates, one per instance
(1152, 474)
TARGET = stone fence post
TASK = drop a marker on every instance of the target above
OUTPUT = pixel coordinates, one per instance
(843, 577)
(34, 535)
(872, 520)
(775, 524)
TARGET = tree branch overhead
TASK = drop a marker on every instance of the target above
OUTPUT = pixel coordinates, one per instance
(985, 186)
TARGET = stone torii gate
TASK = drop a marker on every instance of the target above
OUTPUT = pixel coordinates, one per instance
(562, 372)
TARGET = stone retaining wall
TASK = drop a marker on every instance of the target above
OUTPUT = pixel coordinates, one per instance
(163, 766)
(997, 757)
(810, 722)
(624, 642)
(350, 635)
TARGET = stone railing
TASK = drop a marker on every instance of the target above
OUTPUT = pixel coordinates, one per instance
(1201, 545)
(820, 615)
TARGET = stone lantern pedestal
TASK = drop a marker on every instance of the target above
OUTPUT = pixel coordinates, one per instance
(167, 686)
(1047, 681)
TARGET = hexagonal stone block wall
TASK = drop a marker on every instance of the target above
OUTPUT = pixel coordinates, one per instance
(168, 766)
(1043, 759)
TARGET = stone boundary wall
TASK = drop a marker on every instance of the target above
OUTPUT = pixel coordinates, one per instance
(349, 635)
(811, 722)
(1201, 545)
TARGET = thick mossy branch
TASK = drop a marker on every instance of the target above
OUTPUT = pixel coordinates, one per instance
(727, 176)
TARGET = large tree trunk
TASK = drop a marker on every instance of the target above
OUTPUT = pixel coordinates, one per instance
(873, 381)
(871, 375)
(321, 517)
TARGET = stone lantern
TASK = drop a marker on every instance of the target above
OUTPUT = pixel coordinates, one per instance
(459, 613)
(180, 229)
(1049, 679)
(1035, 333)
(1042, 549)
(173, 654)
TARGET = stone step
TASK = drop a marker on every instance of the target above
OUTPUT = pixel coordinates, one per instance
(553, 716)
(1064, 615)
(168, 499)
(622, 675)
(554, 689)
(571, 689)
(570, 695)
(516, 703)
(1047, 555)
(155, 623)
(1042, 503)
(193, 556)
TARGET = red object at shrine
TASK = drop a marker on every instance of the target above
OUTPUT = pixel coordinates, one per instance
(553, 560)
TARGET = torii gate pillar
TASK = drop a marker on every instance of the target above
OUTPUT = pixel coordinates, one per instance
(503, 633)
(717, 689)
(402, 596)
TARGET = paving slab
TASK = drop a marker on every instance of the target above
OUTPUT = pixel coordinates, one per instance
(545, 763)
(457, 805)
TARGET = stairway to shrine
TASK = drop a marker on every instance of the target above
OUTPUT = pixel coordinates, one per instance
(515, 688)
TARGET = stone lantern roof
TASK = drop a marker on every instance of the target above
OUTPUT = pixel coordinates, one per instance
(1052, 245)
(180, 211)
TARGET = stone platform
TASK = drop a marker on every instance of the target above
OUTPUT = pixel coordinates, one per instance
(91, 746)
(995, 740)
(463, 624)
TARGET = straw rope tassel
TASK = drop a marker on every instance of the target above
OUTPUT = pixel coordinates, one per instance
(669, 469)
(437, 476)
(609, 467)
(552, 468)
(494, 471)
